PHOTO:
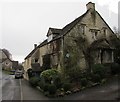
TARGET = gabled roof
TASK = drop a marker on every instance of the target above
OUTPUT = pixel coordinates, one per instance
(42, 44)
(4, 59)
(54, 31)
(62, 32)
(104, 22)
(69, 26)
(6, 53)
(30, 54)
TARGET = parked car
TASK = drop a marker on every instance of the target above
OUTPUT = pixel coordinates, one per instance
(18, 74)
(12, 72)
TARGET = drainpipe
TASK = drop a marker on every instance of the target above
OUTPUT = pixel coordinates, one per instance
(62, 42)
(112, 56)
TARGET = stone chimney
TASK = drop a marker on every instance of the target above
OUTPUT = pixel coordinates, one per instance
(90, 5)
(35, 45)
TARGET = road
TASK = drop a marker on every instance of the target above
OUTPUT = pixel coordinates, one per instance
(19, 89)
(11, 89)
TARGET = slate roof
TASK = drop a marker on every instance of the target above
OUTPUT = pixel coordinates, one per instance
(54, 31)
(69, 26)
(62, 32)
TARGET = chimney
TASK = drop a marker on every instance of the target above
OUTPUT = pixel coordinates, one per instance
(35, 45)
(90, 5)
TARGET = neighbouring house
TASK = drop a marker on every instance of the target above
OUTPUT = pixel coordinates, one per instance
(15, 65)
(5, 60)
(82, 43)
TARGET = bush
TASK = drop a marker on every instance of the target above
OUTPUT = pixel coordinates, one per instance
(99, 69)
(57, 81)
(96, 78)
(45, 87)
(52, 89)
(41, 83)
(51, 76)
(115, 68)
(84, 82)
(34, 81)
(66, 86)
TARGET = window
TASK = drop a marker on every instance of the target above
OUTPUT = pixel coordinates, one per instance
(50, 37)
(105, 31)
(36, 60)
(94, 34)
(82, 28)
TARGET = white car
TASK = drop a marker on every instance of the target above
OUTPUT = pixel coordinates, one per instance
(18, 74)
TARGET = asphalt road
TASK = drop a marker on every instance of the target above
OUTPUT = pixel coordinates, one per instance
(11, 87)
(19, 89)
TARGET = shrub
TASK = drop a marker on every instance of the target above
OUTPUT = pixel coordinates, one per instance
(41, 83)
(96, 78)
(100, 70)
(51, 76)
(57, 81)
(34, 81)
(115, 68)
(52, 89)
(66, 86)
(84, 82)
(45, 87)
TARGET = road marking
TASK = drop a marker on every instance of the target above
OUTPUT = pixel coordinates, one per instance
(21, 91)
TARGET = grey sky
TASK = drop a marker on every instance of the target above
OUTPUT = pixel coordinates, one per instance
(26, 22)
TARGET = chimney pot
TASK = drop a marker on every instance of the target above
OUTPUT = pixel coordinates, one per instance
(35, 45)
(90, 5)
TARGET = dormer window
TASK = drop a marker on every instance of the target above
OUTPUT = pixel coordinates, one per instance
(104, 31)
(82, 29)
(94, 33)
(50, 37)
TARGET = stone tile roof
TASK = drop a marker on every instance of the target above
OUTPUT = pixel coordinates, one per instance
(54, 31)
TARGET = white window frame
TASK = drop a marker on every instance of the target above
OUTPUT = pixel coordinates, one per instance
(50, 37)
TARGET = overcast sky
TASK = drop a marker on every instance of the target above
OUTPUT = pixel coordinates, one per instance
(26, 22)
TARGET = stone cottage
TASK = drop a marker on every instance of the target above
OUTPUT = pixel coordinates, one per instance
(82, 43)
(5, 60)
(86, 40)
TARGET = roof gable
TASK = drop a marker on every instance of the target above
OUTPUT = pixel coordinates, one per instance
(33, 51)
(69, 26)
(55, 31)
(104, 22)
